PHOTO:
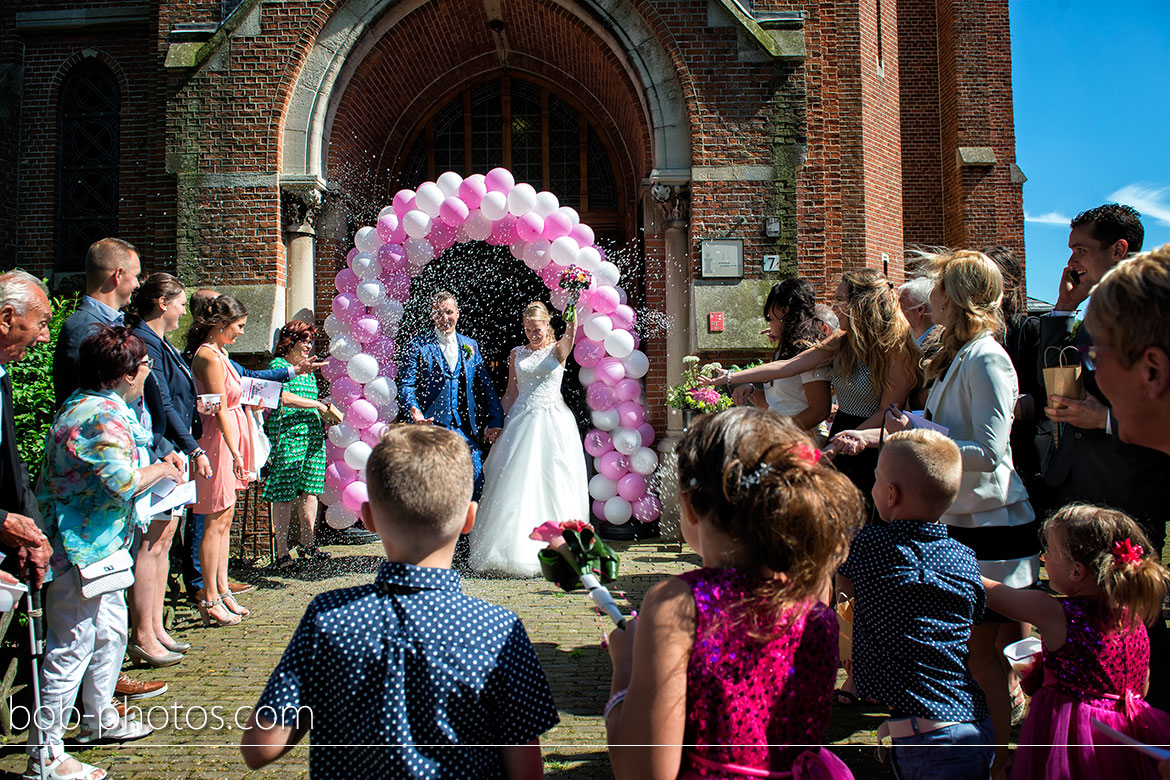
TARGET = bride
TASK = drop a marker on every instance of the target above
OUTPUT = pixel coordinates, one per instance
(536, 469)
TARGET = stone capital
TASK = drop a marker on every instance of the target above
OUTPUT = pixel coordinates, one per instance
(301, 201)
(673, 202)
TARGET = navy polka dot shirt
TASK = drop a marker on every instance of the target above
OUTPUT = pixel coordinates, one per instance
(412, 663)
(917, 594)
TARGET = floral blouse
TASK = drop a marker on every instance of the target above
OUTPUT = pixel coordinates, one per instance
(90, 476)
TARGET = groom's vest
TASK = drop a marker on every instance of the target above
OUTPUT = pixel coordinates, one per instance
(461, 414)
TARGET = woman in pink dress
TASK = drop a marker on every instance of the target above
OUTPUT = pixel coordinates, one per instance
(1095, 662)
(730, 670)
(227, 439)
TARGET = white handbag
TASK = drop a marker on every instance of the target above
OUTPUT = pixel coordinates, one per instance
(261, 446)
(114, 572)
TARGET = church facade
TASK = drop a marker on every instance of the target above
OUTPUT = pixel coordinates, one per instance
(715, 146)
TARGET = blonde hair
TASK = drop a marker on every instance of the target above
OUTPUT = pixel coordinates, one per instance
(539, 312)
(929, 462)
(975, 288)
(1134, 591)
(878, 335)
(1130, 306)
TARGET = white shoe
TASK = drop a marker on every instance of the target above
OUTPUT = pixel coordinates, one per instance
(125, 730)
(50, 770)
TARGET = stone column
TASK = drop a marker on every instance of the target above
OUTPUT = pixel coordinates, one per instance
(301, 204)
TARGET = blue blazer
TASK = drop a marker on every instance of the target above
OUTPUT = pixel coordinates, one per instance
(79, 325)
(170, 393)
(428, 384)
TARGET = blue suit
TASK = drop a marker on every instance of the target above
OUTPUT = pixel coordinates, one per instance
(464, 400)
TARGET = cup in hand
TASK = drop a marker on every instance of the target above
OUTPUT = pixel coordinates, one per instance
(209, 403)
(1023, 654)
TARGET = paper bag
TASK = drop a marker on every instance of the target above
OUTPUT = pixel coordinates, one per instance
(845, 631)
(1063, 379)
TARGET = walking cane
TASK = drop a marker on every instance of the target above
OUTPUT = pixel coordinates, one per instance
(36, 634)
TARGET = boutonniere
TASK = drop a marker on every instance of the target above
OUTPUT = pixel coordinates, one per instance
(468, 351)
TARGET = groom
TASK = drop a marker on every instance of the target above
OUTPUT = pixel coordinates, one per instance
(444, 382)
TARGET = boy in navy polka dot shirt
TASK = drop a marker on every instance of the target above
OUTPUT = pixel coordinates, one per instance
(408, 677)
(917, 595)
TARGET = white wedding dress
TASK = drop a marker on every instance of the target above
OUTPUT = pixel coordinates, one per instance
(534, 473)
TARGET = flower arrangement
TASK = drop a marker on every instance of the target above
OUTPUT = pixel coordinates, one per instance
(574, 279)
(573, 550)
(687, 395)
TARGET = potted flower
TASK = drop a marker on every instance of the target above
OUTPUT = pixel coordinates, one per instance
(690, 398)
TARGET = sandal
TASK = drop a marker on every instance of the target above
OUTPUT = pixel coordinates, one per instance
(844, 698)
(1019, 705)
(209, 619)
(313, 553)
(49, 771)
(233, 606)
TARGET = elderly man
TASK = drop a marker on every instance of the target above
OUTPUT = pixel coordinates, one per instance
(24, 321)
(914, 300)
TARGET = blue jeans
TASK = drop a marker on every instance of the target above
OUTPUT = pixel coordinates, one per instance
(960, 752)
(191, 541)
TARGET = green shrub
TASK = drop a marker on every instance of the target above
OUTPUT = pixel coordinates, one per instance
(32, 388)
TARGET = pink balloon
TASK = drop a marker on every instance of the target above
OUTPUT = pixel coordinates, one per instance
(632, 486)
(398, 287)
(583, 233)
(388, 370)
(389, 225)
(345, 389)
(505, 229)
(347, 307)
(403, 202)
(351, 254)
(551, 276)
(556, 225)
(335, 454)
(346, 281)
(600, 397)
(630, 414)
(383, 349)
(646, 508)
(588, 352)
(530, 226)
(365, 329)
(613, 465)
(373, 434)
(453, 211)
(339, 474)
(499, 180)
(623, 317)
(392, 258)
(597, 443)
(472, 190)
(646, 431)
(354, 495)
(598, 508)
(333, 369)
(559, 299)
(362, 414)
(604, 300)
(628, 389)
(610, 370)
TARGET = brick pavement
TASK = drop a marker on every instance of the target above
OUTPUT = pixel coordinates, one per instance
(227, 667)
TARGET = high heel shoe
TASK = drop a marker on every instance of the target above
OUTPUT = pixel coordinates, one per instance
(234, 606)
(176, 647)
(209, 619)
(168, 658)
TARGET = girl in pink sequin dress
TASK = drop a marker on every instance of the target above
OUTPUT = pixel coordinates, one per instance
(729, 670)
(1095, 661)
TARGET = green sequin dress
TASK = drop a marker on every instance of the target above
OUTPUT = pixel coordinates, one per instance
(297, 462)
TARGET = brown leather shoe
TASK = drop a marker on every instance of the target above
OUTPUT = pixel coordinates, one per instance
(120, 706)
(136, 690)
(240, 587)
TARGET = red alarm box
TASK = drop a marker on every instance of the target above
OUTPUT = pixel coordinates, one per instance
(715, 322)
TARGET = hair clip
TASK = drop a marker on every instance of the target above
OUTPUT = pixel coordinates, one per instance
(810, 455)
(752, 478)
(1125, 552)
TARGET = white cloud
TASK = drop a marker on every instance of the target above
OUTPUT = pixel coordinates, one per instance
(1152, 202)
(1051, 218)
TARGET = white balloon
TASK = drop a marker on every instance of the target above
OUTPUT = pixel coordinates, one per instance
(366, 239)
(390, 410)
(343, 434)
(572, 214)
(357, 454)
(605, 419)
(380, 391)
(521, 199)
(362, 263)
(371, 291)
(334, 326)
(429, 198)
(494, 205)
(618, 510)
(589, 259)
(546, 203)
(626, 441)
(387, 210)
(478, 226)
(587, 375)
(607, 274)
(416, 223)
(343, 346)
(338, 516)
(517, 248)
(602, 487)
(536, 254)
(644, 461)
(362, 368)
(619, 343)
(598, 326)
(419, 252)
(449, 183)
(637, 364)
(564, 250)
(389, 311)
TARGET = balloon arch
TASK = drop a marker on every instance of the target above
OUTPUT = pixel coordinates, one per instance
(372, 292)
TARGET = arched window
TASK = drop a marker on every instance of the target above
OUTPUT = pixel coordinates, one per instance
(533, 131)
(87, 162)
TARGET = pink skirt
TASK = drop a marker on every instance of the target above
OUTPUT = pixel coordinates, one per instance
(812, 764)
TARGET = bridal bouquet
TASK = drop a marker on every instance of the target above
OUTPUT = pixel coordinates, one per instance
(573, 549)
(574, 279)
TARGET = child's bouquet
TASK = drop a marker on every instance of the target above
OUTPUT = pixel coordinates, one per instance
(573, 549)
(574, 279)
(687, 395)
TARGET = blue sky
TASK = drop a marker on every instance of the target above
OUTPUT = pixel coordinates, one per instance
(1092, 108)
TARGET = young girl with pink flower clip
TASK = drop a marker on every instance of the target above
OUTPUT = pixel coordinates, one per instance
(1095, 661)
